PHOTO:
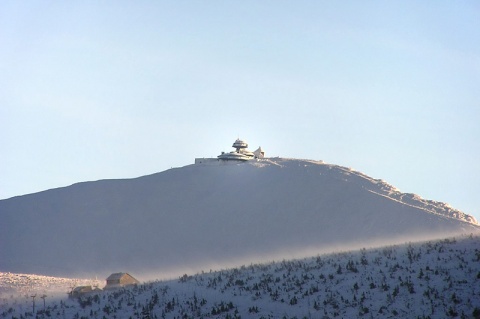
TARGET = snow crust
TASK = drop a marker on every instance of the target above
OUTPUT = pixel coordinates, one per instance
(209, 216)
(15, 286)
(432, 279)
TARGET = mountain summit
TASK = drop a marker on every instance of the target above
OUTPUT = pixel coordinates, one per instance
(209, 214)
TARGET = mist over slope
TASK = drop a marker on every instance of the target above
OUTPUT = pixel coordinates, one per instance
(198, 215)
(432, 279)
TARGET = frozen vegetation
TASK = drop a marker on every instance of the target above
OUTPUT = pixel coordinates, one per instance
(430, 279)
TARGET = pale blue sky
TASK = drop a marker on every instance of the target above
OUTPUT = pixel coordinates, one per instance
(116, 89)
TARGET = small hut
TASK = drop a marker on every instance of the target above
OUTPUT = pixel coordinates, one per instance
(259, 153)
(120, 279)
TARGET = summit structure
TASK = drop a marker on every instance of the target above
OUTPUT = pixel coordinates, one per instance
(241, 154)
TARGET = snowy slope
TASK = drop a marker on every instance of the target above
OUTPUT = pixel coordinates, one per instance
(211, 215)
(16, 285)
(433, 279)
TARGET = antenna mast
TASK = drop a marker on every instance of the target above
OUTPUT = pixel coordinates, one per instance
(33, 303)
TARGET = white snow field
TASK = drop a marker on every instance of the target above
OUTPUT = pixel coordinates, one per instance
(20, 285)
(432, 279)
(212, 215)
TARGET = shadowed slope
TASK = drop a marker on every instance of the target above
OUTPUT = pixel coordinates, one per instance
(201, 214)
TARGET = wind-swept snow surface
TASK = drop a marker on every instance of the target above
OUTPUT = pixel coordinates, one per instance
(433, 279)
(15, 285)
(200, 216)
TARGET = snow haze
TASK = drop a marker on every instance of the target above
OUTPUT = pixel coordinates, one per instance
(100, 90)
(433, 279)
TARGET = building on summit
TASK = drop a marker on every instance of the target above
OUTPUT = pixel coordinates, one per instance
(241, 154)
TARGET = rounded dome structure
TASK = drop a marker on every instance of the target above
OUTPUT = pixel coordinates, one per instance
(238, 144)
(240, 154)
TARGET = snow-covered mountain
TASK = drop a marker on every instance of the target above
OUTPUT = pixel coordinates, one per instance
(211, 215)
(433, 279)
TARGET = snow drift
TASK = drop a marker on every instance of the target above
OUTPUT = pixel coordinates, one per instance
(191, 217)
